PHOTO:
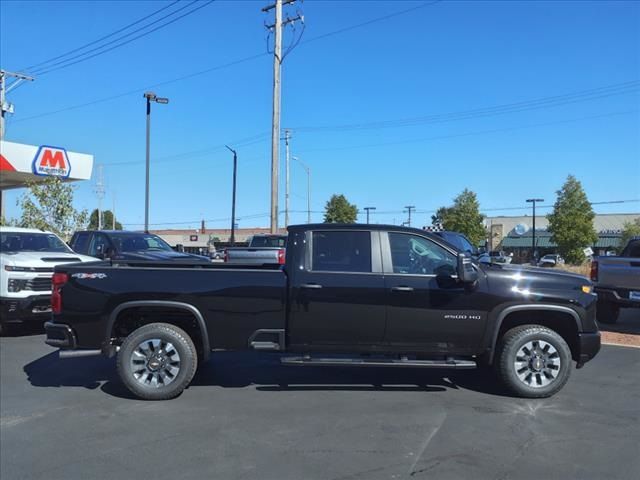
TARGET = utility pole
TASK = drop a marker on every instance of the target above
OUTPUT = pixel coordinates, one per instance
(6, 107)
(233, 198)
(409, 208)
(367, 209)
(113, 211)
(533, 230)
(287, 137)
(308, 170)
(100, 190)
(276, 27)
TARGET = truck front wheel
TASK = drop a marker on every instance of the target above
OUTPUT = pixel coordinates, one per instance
(157, 361)
(533, 361)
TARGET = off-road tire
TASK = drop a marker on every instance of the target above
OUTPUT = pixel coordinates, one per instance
(607, 312)
(183, 349)
(510, 350)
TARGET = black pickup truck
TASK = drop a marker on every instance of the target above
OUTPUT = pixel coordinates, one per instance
(356, 295)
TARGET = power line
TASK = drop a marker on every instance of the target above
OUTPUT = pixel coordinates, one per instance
(466, 134)
(85, 58)
(218, 67)
(533, 104)
(126, 27)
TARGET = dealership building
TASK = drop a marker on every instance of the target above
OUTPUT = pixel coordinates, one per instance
(22, 164)
(515, 235)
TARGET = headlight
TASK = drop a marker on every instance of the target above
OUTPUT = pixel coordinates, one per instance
(15, 285)
(587, 288)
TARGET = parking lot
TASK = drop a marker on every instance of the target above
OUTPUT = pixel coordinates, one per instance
(245, 416)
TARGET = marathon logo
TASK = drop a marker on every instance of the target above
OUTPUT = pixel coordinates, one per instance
(51, 161)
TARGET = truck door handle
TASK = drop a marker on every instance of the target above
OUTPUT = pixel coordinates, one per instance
(311, 286)
(402, 289)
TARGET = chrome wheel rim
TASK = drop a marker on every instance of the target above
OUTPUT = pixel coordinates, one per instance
(155, 363)
(537, 363)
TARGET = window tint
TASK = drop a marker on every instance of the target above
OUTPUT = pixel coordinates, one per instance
(81, 243)
(98, 245)
(417, 255)
(341, 251)
(273, 242)
(31, 242)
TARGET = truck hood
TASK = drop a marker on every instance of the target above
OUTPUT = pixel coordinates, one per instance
(534, 283)
(159, 256)
(42, 259)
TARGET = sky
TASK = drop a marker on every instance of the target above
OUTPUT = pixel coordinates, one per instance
(390, 103)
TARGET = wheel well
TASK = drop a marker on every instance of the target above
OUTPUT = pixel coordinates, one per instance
(132, 318)
(562, 323)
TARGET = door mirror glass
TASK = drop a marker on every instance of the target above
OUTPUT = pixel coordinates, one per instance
(466, 272)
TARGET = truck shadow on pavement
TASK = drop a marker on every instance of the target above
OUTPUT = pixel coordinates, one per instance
(264, 371)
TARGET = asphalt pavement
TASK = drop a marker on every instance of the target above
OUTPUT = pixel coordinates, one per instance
(248, 417)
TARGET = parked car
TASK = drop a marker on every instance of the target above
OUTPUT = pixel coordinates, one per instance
(217, 255)
(262, 249)
(499, 256)
(617, 281)
(27, 258)
(126, 245)
(345, 292)
(550, 260)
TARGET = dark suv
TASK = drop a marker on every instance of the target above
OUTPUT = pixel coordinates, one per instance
(126, 245)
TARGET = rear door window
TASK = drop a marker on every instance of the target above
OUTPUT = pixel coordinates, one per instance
(341, 251)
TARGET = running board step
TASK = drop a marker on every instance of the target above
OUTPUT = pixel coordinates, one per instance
(265, 346)
(377, 362)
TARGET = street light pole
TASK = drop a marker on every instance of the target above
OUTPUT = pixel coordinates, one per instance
(368, 209)
(233, 200)
(533, 233)
(151, 97)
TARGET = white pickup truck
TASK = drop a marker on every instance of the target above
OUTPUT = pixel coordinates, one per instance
(27, 258)
(262, 250)
(617, 281)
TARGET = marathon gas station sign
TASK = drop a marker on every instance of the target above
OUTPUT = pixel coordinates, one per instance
(20, 164)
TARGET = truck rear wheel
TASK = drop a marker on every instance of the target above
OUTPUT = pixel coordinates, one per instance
(157, 361)
(533, 361)
(607, 312)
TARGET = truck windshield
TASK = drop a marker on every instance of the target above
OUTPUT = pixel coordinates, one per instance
(138, 242)
(31, 242)
(272, 242)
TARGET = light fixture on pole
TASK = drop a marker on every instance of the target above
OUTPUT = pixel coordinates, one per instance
(233, 200)
(151, 97)
(368, 209)
(533, 230)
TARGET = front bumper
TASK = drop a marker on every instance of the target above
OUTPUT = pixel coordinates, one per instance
(588, 347)
(27, 309)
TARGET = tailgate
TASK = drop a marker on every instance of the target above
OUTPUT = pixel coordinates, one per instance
(620, 272)
(254, 255)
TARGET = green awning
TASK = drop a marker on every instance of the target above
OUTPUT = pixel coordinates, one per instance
(543, 240)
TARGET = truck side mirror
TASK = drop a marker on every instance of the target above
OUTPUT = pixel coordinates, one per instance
(466, 272)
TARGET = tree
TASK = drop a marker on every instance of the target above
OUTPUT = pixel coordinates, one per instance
(571, 222)
(339, 210)
(463, 216)
(48, 205)
(629, 229)
(107, 220)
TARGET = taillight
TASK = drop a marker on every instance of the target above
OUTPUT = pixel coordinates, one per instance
(594, 271)
(57, 282)
(225, 257)
(281, 256)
